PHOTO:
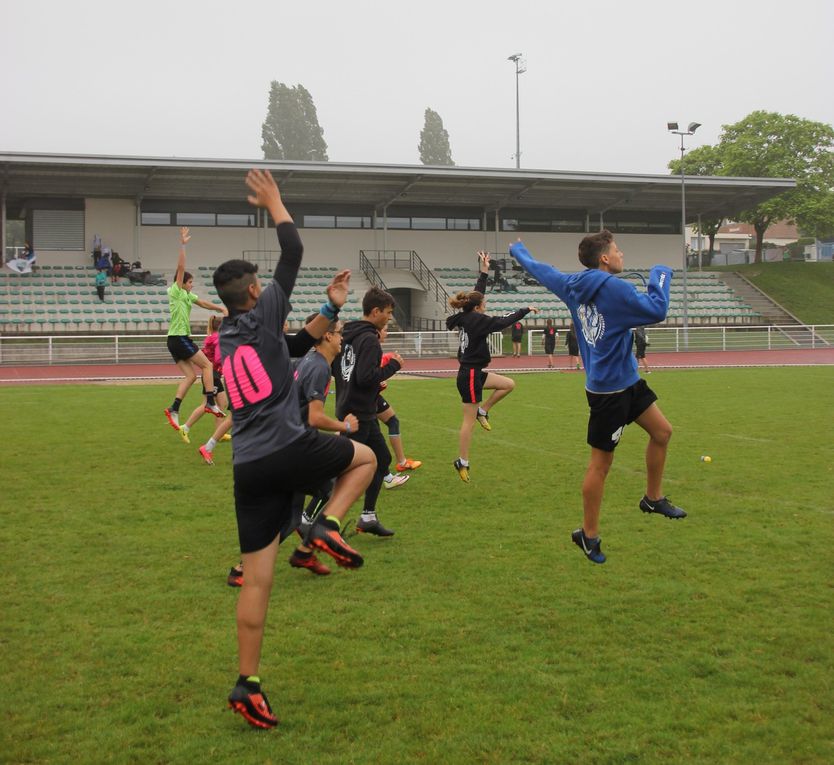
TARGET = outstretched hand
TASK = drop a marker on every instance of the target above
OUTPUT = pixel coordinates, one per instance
(483, 264)
(533, 309)
(185, 235)
(264, 189)
(337, 290)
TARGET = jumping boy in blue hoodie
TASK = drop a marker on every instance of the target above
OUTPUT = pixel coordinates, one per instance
(605, 309)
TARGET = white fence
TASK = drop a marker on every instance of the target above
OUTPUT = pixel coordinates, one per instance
(149, 349)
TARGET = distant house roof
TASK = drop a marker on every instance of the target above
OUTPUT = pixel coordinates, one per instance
(779, 230)
(25, 176)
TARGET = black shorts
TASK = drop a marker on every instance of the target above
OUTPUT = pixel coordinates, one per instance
(381, 405)
(471, 384)
(181, 347)
(611, 412)
(640, 350)
(264, 488)
(218, 383)
(550, 347)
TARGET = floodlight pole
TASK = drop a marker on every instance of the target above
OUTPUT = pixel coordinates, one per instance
(520, 68)
(672, 127)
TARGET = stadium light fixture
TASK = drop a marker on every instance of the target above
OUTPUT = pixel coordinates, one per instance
(520, 68)
(672, 127)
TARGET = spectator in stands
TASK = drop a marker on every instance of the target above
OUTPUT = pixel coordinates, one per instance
(25, 264)
(101, 283)
(640, 343)
(573, 348)
(549, 339)
(119, 267)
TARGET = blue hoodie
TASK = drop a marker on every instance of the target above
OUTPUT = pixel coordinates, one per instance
(604, 309)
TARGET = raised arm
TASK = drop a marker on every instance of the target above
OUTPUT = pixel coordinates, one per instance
(265, 194)
(483, 269)
(185, 238)
(545, 274)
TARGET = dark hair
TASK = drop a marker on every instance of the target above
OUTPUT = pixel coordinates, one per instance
(376, 298)
(330, 327)
(186, 277)
(549, 323)
(593, 246)
(232, 279)
(466, 300)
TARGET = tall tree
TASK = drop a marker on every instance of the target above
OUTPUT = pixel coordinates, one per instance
(434, 141)
(291, 129)
(772, 145)
(705, 160)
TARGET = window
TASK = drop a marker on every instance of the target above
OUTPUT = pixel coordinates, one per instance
(353, 221)
(319, 221)
(196, 219)
(156, 219)
(227, 219)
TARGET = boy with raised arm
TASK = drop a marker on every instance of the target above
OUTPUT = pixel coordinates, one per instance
(274, 454)
(604, 309)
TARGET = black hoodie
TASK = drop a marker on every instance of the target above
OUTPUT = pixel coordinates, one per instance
(476, 327)
(358, 372)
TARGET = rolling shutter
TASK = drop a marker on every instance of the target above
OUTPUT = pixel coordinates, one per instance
(58, 230)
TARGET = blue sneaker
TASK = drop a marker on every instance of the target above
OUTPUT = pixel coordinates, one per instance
(588, 546)
(661, 506)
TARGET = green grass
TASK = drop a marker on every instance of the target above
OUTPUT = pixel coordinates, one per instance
(805, 289)
(479, 634)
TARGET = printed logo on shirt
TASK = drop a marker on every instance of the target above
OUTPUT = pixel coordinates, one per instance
(592, 323)
(662, 280)
(348, 362)
(464, 341)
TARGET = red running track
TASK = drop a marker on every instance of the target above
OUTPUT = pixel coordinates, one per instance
(85, 373)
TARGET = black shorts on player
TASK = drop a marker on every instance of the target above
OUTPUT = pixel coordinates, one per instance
(181, 347)
(611, 412)
(381, 405)
(264, 488)
(471, 384)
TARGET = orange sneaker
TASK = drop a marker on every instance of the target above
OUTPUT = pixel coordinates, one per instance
(409, 465)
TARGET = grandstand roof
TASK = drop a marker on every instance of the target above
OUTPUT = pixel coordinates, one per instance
(24, 176)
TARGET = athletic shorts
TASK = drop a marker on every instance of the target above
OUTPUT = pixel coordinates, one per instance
(181, 347)
(640, 350)
(264, 488)
(471, 384)
(381, 405)
(611, 412)
(550, 347)
(218, 382)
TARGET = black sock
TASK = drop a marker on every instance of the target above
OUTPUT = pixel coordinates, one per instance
(209, 399)
(251, 685)
(301, 554)
(175, 407)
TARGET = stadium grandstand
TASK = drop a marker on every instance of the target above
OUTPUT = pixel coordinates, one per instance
(413, 230)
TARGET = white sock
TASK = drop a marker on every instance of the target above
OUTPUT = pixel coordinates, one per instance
(481, 411)
(388, 478)
(367, 516)
(464, 462)
(185, 428)
(210, 444)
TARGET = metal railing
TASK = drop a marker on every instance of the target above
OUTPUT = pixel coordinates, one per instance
(38, 350)
(372, 275)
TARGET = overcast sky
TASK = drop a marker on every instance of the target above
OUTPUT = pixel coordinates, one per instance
(191, 79)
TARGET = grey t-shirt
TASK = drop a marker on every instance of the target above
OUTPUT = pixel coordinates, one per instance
(312, 376)
(258, 374)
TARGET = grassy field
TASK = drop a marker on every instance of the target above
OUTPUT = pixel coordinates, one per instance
(805, 289)
(479, 634)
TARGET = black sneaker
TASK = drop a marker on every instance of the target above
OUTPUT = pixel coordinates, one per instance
(324, 535)
(235, 578)
(248, 700)
(590, 547)
(373, 527)
(661, 506)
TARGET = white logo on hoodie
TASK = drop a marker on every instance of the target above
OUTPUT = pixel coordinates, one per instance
(348, 362)
(592, 323)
